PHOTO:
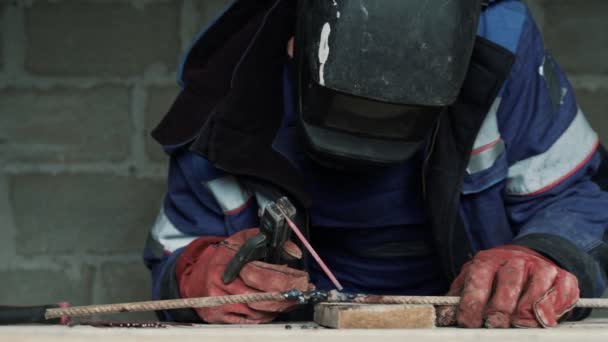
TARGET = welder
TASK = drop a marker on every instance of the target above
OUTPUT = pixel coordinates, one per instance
(429, 147)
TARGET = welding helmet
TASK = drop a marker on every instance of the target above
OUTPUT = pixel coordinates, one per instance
(373, 76)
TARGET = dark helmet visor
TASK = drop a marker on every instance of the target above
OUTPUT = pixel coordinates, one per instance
(363, 117)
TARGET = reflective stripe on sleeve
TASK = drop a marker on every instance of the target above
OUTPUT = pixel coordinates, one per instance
(567, 155)
(231, 196)
(488, 143)
(166, 236)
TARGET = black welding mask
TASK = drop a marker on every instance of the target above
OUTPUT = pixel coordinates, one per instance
(373, 76)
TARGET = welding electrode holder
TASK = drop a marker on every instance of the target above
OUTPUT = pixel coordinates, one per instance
(268, 244)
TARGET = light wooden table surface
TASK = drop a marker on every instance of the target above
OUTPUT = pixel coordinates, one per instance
(590, 330)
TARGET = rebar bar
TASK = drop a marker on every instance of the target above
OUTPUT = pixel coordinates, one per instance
(332, 297)
(163, 304)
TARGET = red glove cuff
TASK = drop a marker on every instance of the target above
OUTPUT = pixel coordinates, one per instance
(526, 250)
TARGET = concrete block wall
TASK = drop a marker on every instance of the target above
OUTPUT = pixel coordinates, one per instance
(82, 83)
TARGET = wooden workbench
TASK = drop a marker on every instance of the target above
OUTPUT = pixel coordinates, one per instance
(587, 331)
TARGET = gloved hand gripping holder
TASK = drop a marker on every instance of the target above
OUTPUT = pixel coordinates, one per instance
(268, 244)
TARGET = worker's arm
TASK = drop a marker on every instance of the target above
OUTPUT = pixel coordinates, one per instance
(552, 201)
(207, 215)
(556, 211)
(191, 211)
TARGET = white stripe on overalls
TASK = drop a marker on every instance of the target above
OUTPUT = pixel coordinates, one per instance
(488, 143)
(229, 194)
(167, 235)
(567, 155)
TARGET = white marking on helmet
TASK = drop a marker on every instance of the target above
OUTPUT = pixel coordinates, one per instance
(323, 51)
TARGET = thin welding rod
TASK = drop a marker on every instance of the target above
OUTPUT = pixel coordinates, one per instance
(312, 251)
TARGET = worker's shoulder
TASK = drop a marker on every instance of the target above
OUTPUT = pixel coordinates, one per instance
(504, 21)
(194, 167)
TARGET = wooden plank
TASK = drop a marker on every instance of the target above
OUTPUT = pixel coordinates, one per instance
(372, 316)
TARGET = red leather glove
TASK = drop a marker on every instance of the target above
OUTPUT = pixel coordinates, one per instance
(510, 286)
(199, 273)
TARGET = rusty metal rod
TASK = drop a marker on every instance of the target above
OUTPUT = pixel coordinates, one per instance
(169, 304)
(332, 297)
(592, 303)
